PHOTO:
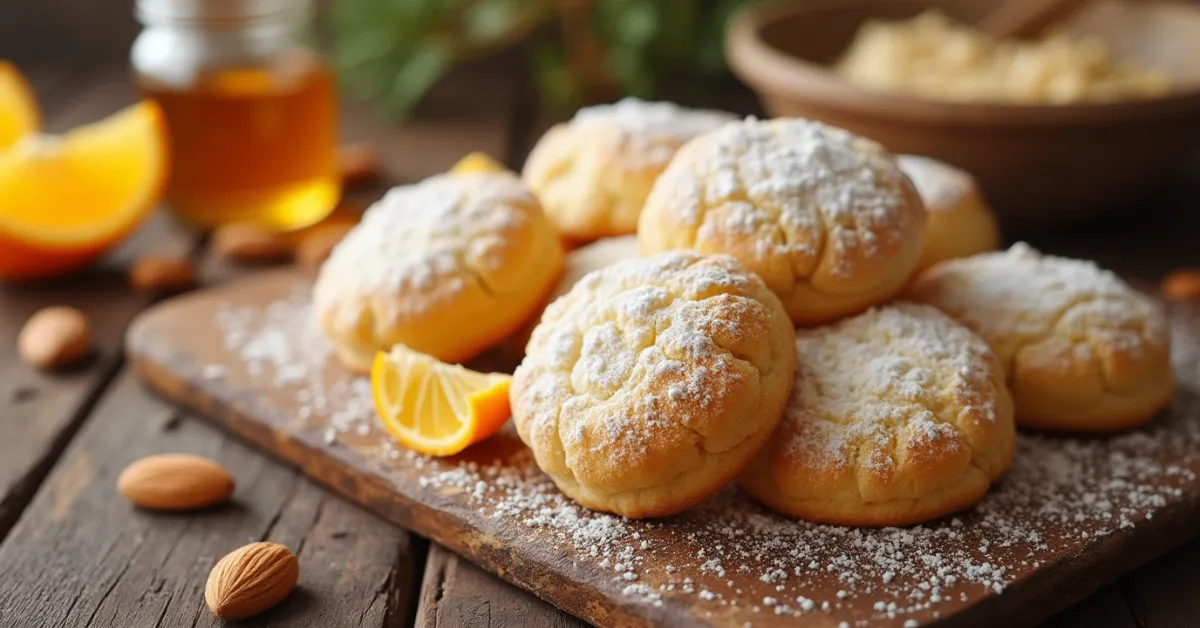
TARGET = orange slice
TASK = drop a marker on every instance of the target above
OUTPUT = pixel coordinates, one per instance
(477, 162)
(436, 408)
(64, 200)
(18, 107)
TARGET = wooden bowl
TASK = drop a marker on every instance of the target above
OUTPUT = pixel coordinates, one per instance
(1038, 165)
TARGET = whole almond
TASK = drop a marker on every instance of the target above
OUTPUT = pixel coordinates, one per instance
(1182, 285)
(358, 163)
(175, 482)
(162, 274)
(314, 248)
(55, 337)
(251, 579)
(249, 244)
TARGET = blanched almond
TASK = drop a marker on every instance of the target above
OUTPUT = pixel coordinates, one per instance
(251, 579)
(55, 337)
(175, 482)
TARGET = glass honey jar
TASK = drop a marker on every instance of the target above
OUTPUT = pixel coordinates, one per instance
(251, 111)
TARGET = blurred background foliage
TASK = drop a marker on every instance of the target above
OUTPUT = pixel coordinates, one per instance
(391, 52)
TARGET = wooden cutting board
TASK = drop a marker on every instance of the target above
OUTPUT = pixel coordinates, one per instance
(1069, 516)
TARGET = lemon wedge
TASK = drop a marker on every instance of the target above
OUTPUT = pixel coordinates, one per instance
(436, 408)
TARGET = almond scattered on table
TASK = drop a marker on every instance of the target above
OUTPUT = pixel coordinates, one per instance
(251, 579)
(175, 482)
(1182, 285)
(359, 163)
(55, 337)
(316, 245)
(162, 274)
(249, 244)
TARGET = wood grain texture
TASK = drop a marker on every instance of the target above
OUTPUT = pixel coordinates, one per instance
(454, 503)
(83, 556)
(40, 411)
(457, 594)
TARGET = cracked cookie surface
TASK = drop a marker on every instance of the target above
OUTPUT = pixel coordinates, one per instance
(1083, 351)
(825, 217)
(651, 384)
(448, 267)
(898, 415)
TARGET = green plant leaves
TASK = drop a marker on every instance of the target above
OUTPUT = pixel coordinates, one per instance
(414, 78)
(393, 51)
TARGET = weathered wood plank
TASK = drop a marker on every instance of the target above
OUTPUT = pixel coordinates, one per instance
(82, 556)
(40, 411)
(1164, 593)
(456, 594)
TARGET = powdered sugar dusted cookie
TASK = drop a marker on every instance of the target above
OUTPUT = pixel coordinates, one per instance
(593, 173)
(898, 415)
(825, 217)
(448, 266)
(652, 383)
(1083, 350)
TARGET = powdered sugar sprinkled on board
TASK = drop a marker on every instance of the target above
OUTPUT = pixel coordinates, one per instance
(1062, 496)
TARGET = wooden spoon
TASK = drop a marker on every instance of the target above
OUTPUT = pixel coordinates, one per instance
(1026, 19)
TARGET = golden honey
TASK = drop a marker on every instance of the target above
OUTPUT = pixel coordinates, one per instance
(253, 145)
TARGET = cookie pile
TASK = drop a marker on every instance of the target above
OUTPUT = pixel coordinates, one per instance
(788, 306)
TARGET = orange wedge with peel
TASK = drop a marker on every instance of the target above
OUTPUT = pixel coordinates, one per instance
(477, 162)
(65, 200)
(437, 408)
(19, 114)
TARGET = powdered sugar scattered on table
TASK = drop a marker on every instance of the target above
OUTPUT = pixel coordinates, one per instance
(1061, 497)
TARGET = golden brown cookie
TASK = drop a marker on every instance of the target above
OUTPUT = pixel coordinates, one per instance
(825, 217)
(593, 173)
(1084, 351)
(653, 382)
(898, 415)
(448, 267)
(960, 222)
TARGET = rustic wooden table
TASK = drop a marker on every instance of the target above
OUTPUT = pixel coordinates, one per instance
(74, 553)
